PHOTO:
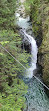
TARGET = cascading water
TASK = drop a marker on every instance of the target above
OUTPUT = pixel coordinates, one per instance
(36, 98)
(34, 50)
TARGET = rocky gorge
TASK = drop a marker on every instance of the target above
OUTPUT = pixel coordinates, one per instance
(21, 74)
(39, 15)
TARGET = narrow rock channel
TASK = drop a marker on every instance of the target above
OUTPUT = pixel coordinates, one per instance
(36, 99)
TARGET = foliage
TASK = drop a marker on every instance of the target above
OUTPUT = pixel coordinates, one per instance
(13, 97)
(7, 9)
(32, 8)
(12, 88)
(4, 42)
(45, 43)
(39, 15)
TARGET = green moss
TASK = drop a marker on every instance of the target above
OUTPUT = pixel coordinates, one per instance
(39, 15)
(44, 48)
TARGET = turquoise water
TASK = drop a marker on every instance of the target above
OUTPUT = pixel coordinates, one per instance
(37, 100)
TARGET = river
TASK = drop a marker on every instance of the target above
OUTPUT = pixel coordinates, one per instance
(36, 98)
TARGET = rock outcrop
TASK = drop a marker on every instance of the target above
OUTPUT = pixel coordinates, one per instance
(39, 15)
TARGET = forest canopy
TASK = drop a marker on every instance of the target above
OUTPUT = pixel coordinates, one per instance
(12, 88)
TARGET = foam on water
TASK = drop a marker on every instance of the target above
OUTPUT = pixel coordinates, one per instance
(22, 22)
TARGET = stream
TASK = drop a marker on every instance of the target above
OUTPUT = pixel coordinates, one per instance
(36, 98)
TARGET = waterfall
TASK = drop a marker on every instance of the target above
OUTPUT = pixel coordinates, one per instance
(23, 23)
(36, 97)
(34, 51)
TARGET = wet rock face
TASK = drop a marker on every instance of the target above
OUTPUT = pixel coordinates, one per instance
(38, 41)
(27, 47)
(25, 42)
(21, 9)
(39, 37)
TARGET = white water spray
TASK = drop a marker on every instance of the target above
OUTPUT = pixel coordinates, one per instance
(34, 51)
(24, 24)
